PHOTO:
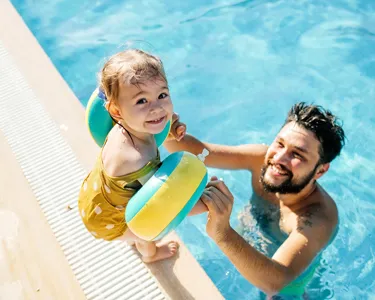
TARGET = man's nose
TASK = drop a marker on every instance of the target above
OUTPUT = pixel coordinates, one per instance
(280, 157)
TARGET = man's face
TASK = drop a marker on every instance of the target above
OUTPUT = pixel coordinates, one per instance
(292, 160)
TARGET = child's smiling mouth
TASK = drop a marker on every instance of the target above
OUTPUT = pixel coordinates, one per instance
(156, 121)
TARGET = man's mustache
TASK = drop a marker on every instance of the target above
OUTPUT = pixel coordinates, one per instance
(270, 162)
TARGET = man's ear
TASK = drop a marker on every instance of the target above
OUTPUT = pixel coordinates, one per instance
(322, 170)
(113, 110)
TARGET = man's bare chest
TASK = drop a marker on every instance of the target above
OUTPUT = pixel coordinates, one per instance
(270, 211)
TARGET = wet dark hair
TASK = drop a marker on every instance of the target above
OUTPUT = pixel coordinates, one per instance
(323, 124)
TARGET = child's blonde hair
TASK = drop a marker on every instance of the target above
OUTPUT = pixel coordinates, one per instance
(132, 66)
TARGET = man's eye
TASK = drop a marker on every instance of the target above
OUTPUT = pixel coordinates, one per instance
(163, 95)
(279, 144)
(142, 101)
(296, 155)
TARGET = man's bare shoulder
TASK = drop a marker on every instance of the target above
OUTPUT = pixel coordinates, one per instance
(319, 218)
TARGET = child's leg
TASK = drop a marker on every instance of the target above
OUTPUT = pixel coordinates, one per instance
(149, 251)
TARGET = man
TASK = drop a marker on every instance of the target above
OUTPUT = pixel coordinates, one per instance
(284, 177)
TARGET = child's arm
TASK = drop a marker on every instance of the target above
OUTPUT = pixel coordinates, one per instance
(198, 208)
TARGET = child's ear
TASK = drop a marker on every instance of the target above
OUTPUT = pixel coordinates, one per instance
(113, 110)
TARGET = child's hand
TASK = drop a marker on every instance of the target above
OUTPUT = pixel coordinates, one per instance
(178, 129)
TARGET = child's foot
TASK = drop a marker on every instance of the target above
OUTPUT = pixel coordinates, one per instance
(163, 251)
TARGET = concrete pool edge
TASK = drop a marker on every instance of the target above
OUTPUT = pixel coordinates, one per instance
(176, 278)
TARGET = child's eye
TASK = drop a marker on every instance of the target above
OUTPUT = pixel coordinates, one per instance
(163, 95)
(142, 101)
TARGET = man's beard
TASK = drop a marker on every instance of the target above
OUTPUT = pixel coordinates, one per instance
(287, 186)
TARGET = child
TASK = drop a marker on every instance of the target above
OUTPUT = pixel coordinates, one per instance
(137, 93)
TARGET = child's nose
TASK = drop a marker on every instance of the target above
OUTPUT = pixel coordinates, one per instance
(156, 107)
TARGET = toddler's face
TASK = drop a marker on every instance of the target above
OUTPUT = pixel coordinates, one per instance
(145, 108)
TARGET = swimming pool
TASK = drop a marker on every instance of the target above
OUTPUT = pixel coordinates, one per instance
(235, 68)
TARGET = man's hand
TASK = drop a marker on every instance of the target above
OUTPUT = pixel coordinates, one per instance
(219, 201)
(178, 129)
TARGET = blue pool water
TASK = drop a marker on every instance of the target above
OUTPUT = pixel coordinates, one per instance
(235, 68)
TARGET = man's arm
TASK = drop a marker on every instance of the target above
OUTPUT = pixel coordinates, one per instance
(289, 261)
(245, 157)
(271, 275)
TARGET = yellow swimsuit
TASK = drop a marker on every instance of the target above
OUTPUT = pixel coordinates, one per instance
(103, 199)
